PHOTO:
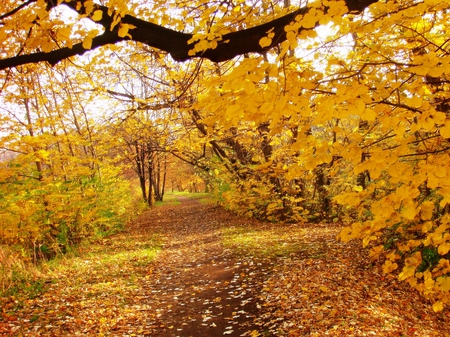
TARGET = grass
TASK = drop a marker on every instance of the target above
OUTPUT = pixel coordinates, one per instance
(110, 253)
(17, 275)
(274, 240)
(173, 198)
(105, 259)
(266, 242)
(169, 199)
(203, 198)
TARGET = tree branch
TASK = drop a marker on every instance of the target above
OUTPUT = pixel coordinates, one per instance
(176, 43)
(58, 55)
(15, 10)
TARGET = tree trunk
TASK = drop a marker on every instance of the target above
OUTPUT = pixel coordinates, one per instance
(150, 180)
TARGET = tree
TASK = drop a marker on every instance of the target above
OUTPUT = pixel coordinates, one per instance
(56, 189)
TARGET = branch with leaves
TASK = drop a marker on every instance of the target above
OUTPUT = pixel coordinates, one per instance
(179, 45)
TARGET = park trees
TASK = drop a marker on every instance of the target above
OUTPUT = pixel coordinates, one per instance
(344, 123)
(58, 170)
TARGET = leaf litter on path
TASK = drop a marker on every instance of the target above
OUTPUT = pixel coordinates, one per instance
(167, 275)
(196, 270)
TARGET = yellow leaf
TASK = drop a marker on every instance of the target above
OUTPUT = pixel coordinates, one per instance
(420, 70)
(254, 333)
(369, 115)
(444, 248)
(367, 240)
(389, 267)
(358, 188)
(414, 260)
(409, 210)
(272, 205)
(64, 35)
(87, 42)
(123, 30)
(213, 44)
(438, 306)
(89, 6)
(445, 130)
(443, 267)
(392, 256)
(376, 251)
(415, 101)
(47, 45)
(265, 41)
(292, 37)
(426, 210)
(443, 283)
(345, 234)
(309, 19)
(407, 272)
(249, 87)
(98, 14)
(233, 109)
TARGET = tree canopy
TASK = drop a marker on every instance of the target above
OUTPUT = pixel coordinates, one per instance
(323, 111)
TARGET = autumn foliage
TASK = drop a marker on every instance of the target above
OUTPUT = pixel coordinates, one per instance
(343, 116)
(59, 182)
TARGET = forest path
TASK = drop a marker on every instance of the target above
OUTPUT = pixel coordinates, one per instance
(201, 288)
(193, 269)
(168, 274)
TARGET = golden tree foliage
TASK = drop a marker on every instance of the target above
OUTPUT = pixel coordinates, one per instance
(335, 111)
(59, 184)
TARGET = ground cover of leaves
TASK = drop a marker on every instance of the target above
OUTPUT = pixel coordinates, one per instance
(194, 269)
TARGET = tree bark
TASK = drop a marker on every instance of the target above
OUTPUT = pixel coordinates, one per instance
(173, 42)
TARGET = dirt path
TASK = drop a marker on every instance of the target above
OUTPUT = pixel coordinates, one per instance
(193, 269)
(192, 287)
(202, 290)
